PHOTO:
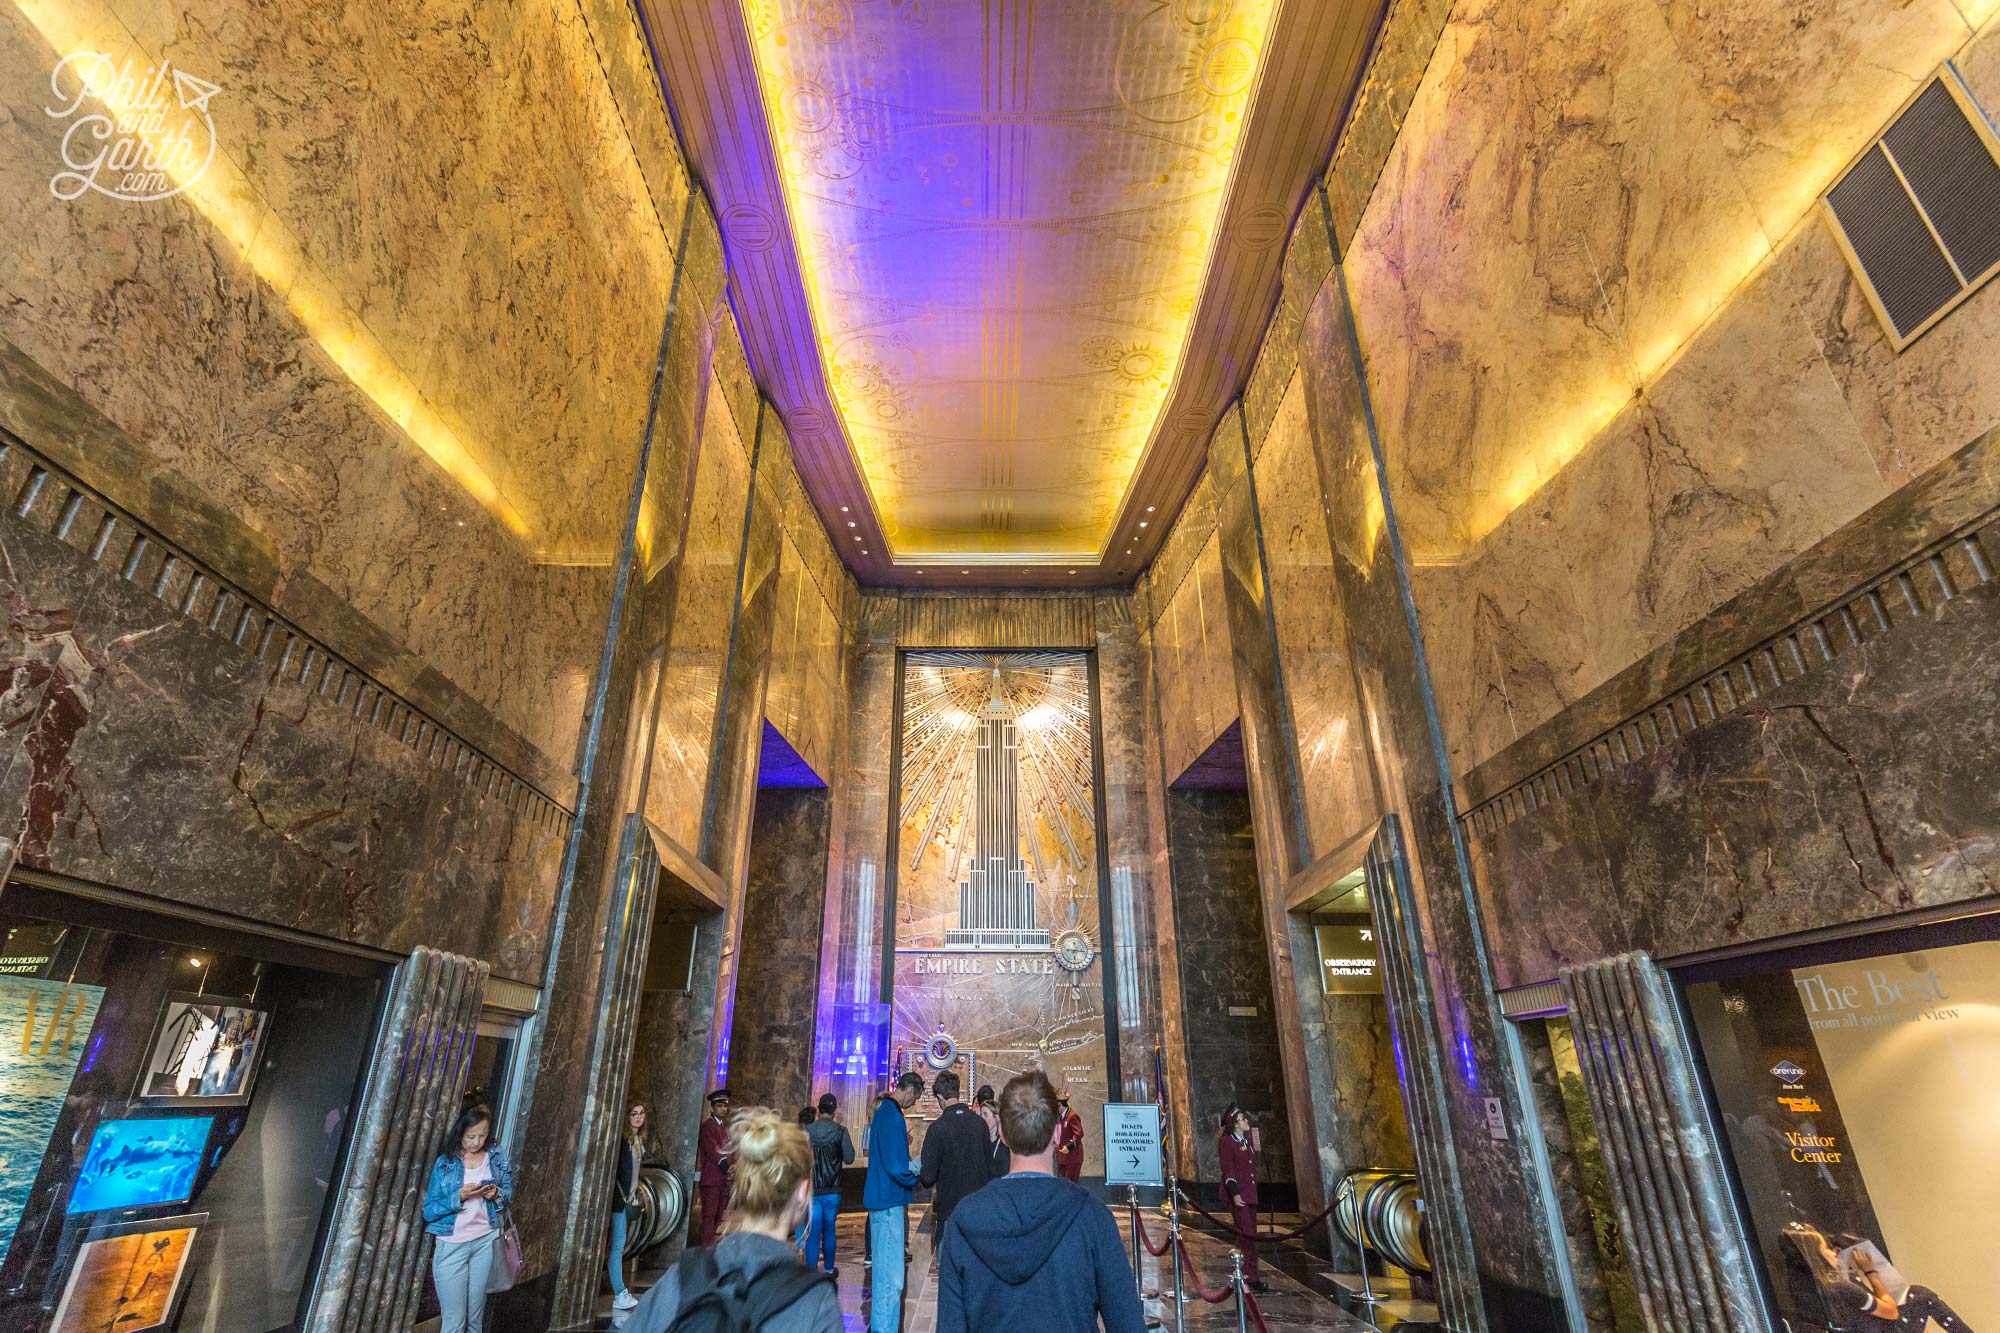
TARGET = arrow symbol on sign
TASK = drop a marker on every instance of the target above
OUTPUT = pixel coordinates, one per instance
(1135, 1159)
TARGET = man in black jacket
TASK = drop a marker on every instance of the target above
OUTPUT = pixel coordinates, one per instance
(1033, 1250)
(832, 1149)
(956, 1153)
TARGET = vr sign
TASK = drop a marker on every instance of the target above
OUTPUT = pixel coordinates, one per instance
(1132, 1144)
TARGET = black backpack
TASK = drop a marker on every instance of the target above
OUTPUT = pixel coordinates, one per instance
(716, 1302)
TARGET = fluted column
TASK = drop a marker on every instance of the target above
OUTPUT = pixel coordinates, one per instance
(368, 1280)
(1683, 1239)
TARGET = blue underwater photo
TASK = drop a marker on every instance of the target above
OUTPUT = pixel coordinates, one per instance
(133, 1163)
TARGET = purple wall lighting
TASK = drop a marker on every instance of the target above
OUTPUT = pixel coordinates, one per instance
(779, 765)
(1220, 767)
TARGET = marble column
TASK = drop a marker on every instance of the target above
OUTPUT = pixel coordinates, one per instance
(1522, 1264)
(376, 1245)
(625, 949)
(559, 1142)
(850, 1041)
(1412, 1009)
(1684, 1240)
(1270, 756)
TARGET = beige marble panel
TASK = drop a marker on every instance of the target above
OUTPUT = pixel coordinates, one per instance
(1192, 528)
(691, 681)
(1617, 379)
(1542, 236)
(1915, 407)
(1191, 659)
(804, 697)
(1800, 86)
(1338, 789)
(445, 204)
(1742, 455)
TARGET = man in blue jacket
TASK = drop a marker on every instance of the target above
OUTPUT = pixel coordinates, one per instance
(1033, 1250)
(886, 1196)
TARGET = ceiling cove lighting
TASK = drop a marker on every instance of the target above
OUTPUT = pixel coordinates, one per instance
(1003, 230)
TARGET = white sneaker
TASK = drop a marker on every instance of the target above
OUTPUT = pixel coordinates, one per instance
(624, 1300)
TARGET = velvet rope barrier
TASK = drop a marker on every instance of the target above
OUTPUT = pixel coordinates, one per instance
(1230, 1226)
(1256, 1315)
(1187, 1265)
(1139, 1225)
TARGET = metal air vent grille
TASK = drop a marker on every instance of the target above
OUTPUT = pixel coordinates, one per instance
(1918, 213)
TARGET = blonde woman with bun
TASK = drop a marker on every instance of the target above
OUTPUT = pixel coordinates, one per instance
(752, 1277)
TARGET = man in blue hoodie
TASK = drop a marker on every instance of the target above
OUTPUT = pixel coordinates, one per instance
(1032, 1250)
(886, 1196)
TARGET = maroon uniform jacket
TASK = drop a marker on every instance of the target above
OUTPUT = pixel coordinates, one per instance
(1069, 1146)
(1238, 1164)
(714, 1173)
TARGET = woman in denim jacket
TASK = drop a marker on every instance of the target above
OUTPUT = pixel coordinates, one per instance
(470, 1185)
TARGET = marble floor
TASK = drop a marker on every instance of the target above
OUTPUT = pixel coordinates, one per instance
(1303, 1295)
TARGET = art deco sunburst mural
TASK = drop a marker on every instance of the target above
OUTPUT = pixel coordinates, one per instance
(1004, 213)
(996, 945)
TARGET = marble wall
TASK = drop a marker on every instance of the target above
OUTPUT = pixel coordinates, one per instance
(342, 333)
(1513, 1234)
(1230, 1032)
(1851, 786)
(392, 493)
(1618, 375)
(1620, 368)
(1367, 1126)
(1190, 631)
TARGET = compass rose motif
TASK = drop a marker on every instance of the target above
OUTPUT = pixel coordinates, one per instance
(1074, 949)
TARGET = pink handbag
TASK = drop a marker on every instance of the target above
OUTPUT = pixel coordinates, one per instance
(506, 1269)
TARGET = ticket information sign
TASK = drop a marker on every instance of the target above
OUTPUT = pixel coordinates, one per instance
(1132, 1144)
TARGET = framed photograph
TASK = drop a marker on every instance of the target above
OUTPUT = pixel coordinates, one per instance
(131, 1277)
(203, 1053)
(141, 1163)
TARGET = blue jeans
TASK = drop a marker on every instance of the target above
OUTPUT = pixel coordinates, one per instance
(887, 1235)
(819, 1230)
(460, 1270)
(614, 1254)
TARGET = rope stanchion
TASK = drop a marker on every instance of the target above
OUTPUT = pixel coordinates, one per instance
(1256, 1315)
(1194, 1279)
(1139, 1229)
(1230, 1226)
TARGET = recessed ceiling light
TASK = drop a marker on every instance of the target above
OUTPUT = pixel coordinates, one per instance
(1149, 509)
(965, 571)
(1072, 571)
(850, 522)
(843, 509)
(857, 537)
(1142, 522)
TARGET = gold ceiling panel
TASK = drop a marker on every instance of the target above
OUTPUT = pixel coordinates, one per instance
(1004, 213)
